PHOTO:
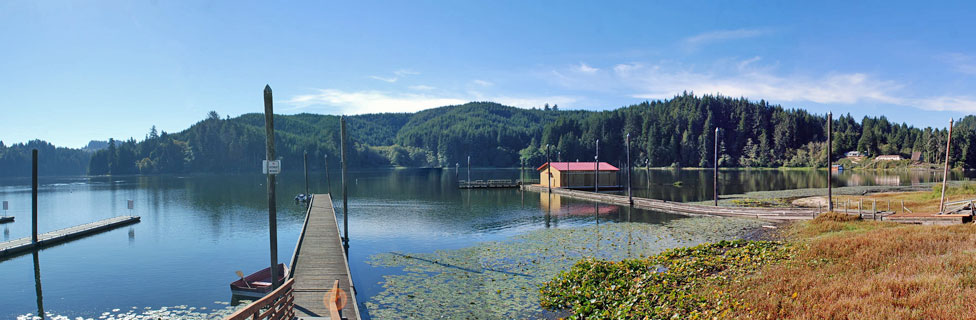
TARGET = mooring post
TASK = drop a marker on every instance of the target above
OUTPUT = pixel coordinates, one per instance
(548, 170)
(630, 193)
(272, 210)
(34, 196)
(328, 178)
(945, 174)
(860, 203)
(596, 168)
(830, 161)
(469, 169)
(715, 176)
(345, 188)
(305, 163)
(521, 173)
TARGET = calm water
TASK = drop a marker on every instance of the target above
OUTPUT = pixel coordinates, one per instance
(197, 230)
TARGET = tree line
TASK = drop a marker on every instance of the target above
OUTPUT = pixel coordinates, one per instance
(675, 132)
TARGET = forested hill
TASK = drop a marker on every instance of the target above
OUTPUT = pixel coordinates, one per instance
(675, 132)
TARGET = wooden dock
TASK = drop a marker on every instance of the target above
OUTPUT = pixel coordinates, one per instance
(681, 207)
(23, 245)
(319, 261)
(485, 184)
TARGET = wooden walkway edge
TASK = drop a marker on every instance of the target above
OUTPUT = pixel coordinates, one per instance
(681, 207)
(23, 245)
(319, 261)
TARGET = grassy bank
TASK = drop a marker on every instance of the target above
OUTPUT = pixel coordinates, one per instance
(829, 268)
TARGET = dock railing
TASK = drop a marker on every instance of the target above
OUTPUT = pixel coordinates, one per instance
(277, 305)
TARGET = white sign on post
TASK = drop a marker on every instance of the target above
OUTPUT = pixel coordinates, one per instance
(131, 204)
(5, 205)
(271, 167)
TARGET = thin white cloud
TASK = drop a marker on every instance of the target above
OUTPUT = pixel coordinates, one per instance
(746, 78)
(369, 101)
(421, 87)
(959, 62)
(582, 67)
(385, 79)
(710, 37)
(482, 83)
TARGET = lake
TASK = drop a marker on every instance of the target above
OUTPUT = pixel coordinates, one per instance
(196, 230)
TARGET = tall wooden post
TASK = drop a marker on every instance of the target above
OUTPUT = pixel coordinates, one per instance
(548, 170)
(630, 193)
(715, 167)
(945, 174)
(596, 168)
(469, 169)
(272, 209)
(305, 163)
(647, 165)
(830, 161)
(345, 189)
(37, 285)
(328, 177)
(521, 171)
(34, 196)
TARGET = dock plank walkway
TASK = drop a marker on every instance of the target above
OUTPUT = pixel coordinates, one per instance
(683, 208)
(22, 245)
(319, 261)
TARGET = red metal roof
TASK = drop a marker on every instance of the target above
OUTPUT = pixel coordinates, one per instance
(579, 166)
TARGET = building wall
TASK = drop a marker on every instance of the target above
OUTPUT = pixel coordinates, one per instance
(577, 179)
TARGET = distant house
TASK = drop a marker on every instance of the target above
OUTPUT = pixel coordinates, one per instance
(888, 157)
(855, 153)
(577, 174)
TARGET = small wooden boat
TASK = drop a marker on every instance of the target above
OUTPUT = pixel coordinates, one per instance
(257, 284)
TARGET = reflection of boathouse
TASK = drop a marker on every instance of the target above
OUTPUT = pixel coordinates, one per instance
(892, 180)
(554, 204)
(578, 175)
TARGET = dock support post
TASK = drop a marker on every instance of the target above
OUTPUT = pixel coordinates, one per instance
(548, 170)
(272, 210)
(521, 173)
(596, 168)
(34, 196)
(630, 193)
(715, 175)
(830, 161)
(945, 174)
(345, 189)
(469, 169)
(305, 163)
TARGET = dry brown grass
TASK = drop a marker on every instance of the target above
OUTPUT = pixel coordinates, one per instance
(867, 270)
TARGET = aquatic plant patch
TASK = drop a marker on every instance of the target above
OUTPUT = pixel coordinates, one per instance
(501, 279)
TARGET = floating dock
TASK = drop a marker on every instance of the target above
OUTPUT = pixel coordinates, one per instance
(319, 261)
(23, 245)
(485, 184)
(681, 207)
(6, 219)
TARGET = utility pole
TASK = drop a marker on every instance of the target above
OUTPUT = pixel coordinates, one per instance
(305, 163)
(630, 194)
(830, 161)
(272, 210)
(715, 167)
(345, 188)
(945, 174)
(596, 168)
(328, 178)
(34, 196)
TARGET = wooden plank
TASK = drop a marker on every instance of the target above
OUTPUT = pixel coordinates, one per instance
(23, 245)
(320, 264)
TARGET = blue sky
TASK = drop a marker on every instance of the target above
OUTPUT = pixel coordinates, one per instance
(74, 71)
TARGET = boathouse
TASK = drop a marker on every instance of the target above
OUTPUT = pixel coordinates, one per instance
(578, 175)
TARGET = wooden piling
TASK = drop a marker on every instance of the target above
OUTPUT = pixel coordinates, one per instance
(596, 168)
(715, 174)
(345, 188)
(34, 196)
(305, 163)
(830, 161)
(469, 168)
(272, 209)
(328, 178)
(548, 170)
(630, 193)
(945, 174)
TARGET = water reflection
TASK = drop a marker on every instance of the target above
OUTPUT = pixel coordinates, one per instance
(37, 286)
